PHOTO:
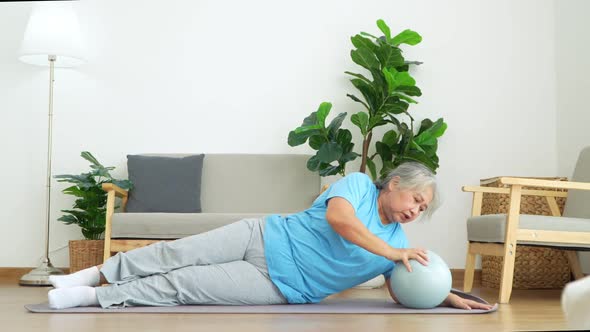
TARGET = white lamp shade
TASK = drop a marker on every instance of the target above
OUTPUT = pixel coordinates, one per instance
(52, 29)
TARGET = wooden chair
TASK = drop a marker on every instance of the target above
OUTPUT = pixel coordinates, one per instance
(498, 234)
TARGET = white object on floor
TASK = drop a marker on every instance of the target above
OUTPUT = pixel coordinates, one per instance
(80, 296)
(86, 277)
(575, 302)
(376, 282)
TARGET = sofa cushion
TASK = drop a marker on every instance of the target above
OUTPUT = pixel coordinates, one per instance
(171, 225)
(253, 183)
(165, 183)
(492, 227)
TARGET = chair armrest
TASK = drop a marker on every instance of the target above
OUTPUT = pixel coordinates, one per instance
(118, 190)
(545, 183)
(479, 189)
(525, 192)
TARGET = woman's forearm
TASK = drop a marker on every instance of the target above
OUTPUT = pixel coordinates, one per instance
(341, 217)
(355, 232)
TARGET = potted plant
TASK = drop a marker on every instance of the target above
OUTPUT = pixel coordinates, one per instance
(89, 211)
(385, 102)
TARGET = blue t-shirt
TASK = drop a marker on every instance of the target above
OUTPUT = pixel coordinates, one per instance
(307, 260)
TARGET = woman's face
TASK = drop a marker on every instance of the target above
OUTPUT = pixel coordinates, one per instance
(402, 206)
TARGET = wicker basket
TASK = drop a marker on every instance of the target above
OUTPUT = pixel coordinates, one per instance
(85, 253)
(535, 267)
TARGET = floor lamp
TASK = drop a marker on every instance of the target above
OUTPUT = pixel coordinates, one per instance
(52, 38)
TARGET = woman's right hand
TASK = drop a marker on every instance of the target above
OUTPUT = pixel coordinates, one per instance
(404, 255)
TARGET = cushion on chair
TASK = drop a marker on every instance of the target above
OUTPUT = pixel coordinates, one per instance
(492, 227)
(165, 183)
(171, 225)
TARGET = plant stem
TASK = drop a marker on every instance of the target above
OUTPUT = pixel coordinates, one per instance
(366, 143)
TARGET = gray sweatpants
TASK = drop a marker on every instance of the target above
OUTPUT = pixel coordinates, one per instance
(222, 266)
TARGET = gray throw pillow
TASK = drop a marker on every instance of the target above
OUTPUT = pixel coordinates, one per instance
(165, 183)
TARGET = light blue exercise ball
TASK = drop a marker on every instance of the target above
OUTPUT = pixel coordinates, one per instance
(426, 286)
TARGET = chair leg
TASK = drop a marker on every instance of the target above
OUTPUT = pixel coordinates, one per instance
(507, 273)
(574, 262)
(469, 270)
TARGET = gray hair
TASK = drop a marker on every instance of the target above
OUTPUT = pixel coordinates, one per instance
(416, 177)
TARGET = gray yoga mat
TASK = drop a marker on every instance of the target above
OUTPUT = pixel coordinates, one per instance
(330, 306)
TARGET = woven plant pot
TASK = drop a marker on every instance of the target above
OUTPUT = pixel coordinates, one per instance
(534, 267)
(85, 253)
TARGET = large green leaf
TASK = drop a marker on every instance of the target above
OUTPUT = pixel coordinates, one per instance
(316, 141)
(385, 29)
(387, 167)
(390, 138)
(322, 113)
(368, 35)
(376, 120)
(329, 152)
(305, 129)
(310, 120)
(425, 124)
(330, 170)
(74, 191)
(372, 168)
(358, 76)
(404, 78)
(392, 83)
(313, 164)
(68, 219)
(383, 150)
(368, 92)
(361, 42)
(110, 168)
(409, 90)
(430, 135)
(365, 58)
(421, 158)
(355, 98)
(344, 137)
(379, 83)
(407, 37)
(389, 56)
(406, 98)
(349, 156)
(88, 156)
(335, 124)
(361, 120)
(393, 105)
(82, 178)
(295, 139)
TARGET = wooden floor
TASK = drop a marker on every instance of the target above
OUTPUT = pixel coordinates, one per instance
(528, 310)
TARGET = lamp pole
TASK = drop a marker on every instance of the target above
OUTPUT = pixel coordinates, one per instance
(40, 275)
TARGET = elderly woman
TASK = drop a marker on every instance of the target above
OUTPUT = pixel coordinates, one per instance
(349, 235)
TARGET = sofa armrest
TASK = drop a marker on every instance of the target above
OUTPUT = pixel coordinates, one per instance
(113, 191)
(119, 192)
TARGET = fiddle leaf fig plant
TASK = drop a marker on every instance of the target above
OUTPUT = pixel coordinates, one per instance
(385, 99)
(89, 210)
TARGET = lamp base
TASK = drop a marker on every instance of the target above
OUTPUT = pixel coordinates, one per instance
(40, 275)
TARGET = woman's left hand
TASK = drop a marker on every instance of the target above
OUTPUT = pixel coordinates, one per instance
(456, 301)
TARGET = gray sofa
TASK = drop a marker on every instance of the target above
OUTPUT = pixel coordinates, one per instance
(233, 187)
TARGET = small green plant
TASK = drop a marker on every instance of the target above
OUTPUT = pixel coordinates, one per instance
(385, 99)
(89, 210)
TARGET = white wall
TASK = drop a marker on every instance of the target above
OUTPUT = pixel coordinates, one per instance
(572, 48)
(234, 76)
